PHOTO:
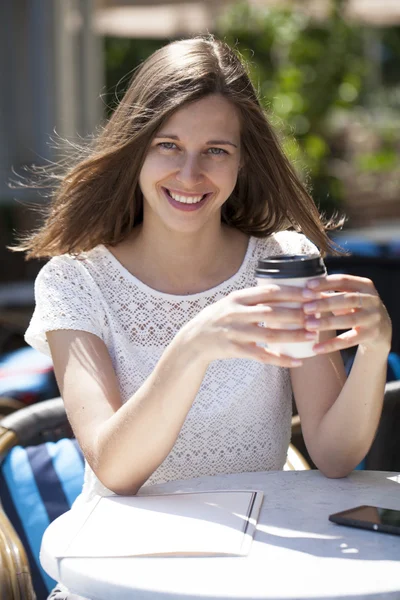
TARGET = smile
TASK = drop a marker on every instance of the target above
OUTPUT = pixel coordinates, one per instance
(186, 202)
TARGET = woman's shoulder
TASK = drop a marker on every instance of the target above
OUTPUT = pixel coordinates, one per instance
(67, 267)
(284, 242)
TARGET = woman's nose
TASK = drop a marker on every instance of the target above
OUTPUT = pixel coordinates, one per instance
(190, 172)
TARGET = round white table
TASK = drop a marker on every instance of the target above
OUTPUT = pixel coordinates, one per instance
(296, 552)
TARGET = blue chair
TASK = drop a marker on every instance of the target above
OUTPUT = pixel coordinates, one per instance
(41, 474)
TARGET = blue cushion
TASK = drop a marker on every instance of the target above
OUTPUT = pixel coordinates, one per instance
(393, 367)
(37, 485)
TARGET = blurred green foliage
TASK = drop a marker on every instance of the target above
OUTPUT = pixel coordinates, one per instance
(383, 160)
(306, 69)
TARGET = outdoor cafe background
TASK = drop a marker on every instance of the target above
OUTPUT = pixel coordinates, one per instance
(327, 70)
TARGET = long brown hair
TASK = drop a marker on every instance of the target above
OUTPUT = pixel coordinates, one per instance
(98, 200)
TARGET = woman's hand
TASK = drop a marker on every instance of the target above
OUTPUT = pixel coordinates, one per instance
(230, 328)
(356, 307)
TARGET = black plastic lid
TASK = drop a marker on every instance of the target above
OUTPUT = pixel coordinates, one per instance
(285, 266)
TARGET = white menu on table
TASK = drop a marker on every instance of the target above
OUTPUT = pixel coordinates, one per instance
(220, 523)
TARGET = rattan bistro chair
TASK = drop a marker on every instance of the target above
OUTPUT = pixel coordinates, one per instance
(33, 426)
(30, 426)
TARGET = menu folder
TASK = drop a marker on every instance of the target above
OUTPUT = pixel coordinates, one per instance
(214, 523)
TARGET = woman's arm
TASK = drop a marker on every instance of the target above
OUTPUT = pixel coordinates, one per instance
(124, 444)
(339, 418)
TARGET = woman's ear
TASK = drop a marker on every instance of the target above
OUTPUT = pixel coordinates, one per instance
(242, 161)
(242, 164)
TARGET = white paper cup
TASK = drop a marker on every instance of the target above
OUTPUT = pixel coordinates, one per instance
(294, 271)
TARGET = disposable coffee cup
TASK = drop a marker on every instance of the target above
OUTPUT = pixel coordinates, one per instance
(294, 270)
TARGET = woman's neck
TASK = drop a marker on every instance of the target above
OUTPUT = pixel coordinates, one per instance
(183, 263)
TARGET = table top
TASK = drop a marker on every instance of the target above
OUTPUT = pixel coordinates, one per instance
(296, 553)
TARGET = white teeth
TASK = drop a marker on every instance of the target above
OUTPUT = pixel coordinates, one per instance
(185, 199)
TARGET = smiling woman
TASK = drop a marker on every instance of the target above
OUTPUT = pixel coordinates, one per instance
(149, 305)
(195, 173)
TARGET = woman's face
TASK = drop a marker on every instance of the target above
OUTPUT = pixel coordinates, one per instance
(192, 165)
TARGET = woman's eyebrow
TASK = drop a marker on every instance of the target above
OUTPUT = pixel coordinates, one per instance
(210, 143)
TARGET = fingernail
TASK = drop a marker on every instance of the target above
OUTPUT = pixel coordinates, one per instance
(311, 323)
(310, 307)
(308, 294)
(296, 363)
(314, 283)
(318, 350)
(310, 335)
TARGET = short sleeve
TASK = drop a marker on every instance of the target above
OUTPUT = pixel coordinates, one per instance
(66, 297)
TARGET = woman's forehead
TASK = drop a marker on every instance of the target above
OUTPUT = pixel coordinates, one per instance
(213, 115)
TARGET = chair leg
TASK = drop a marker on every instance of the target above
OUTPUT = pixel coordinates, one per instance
(8, 585)
(5, 577)
(18, 575)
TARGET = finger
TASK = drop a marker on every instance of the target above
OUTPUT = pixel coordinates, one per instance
(273, 336)
(264, 335)
(274, 316)
(343, 283)
(330, 293)
(348, 321)
(341, 302)
(272, 293)
(341, 342)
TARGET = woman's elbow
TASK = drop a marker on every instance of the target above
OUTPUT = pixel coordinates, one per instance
(118, 484)
(114, 475)
(335, 472)
(337, 468)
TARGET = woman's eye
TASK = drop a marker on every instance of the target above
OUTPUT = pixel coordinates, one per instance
(217, 151)
(167, 145)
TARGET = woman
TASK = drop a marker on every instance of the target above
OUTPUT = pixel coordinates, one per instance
(148, 306)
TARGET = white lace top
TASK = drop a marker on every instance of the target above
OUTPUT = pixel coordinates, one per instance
(241, 417)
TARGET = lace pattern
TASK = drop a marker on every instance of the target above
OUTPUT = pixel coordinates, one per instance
(241, 417)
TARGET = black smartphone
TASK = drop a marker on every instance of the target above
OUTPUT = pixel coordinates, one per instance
(385, 520)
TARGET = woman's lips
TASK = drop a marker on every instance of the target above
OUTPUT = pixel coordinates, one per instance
(185, 207)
